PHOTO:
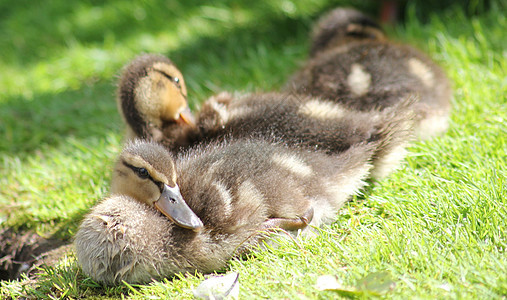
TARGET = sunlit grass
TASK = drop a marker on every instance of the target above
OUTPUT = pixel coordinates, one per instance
(438, 225)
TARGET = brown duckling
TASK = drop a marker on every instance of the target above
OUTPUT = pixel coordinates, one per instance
(310, 124)
(240, 190)
(152, 97)
(352, 63)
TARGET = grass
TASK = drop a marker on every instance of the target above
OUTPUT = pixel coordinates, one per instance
(437, 226)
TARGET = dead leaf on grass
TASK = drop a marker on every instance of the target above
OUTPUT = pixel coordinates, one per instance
(373, 284)
(219, 287)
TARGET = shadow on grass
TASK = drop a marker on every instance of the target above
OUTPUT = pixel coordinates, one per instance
(35, 30)
(32, 31)
(49, 118)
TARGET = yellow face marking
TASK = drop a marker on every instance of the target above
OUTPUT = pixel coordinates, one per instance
(138, 162)
(149, 100)
(358, 80)
(422, 71)
(322, 110)
(174, 104)
(173, 72)
(173, 175)
(176, 93)
(160, 97)
(126, 182)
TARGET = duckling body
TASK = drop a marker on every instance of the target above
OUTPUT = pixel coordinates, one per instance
(239, 190)
(309, 123)
(365, 71)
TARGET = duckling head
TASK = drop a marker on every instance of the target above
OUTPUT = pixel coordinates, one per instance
(146, 172)
(343, 25)
(152, 94)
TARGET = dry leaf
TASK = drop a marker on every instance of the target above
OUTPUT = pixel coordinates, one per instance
(374, 284)
(219, 287)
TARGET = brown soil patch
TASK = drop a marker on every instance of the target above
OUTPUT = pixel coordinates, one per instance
(21, 252)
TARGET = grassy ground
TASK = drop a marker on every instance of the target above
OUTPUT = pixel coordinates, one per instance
(437, 226)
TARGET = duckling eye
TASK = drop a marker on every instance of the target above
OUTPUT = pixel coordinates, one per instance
(176, 80)
(142, 173)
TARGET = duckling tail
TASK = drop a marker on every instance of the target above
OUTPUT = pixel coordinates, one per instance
(393, 135)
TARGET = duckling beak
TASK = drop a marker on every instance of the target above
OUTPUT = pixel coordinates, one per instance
(172, 204)
(186, 117)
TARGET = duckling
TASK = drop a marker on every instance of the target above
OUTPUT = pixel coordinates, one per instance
(241, 190)
(353, 63)
(311, 124)
(152, 97)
